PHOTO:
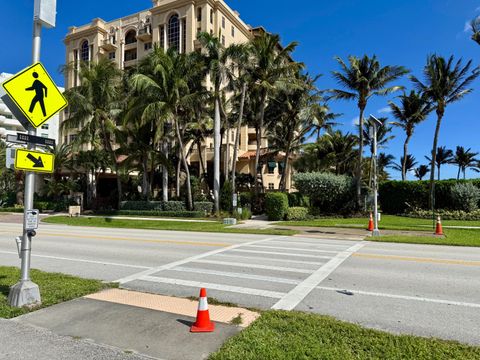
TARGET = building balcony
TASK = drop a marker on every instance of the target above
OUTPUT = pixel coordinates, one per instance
(109, 44)
(129, 63)
(145, 34)
(10, 123)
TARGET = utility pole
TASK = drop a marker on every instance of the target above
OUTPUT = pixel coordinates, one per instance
(376, 123)
(26, 292)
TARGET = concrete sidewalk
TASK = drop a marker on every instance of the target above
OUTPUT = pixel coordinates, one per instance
(120, 324)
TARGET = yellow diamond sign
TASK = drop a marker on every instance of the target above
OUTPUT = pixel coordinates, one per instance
(35, 161)
(35, 94)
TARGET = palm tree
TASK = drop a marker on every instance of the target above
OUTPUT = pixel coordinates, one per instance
(341, 149)
(271, 68)
(409, 162)
(444, 83)
(364, 78)
(384, 162)
(93, 106)
(464, 159)
(290, 117)
(421, 172)
(414, 108)
(383, 137)
(475, 25)
(444, 156)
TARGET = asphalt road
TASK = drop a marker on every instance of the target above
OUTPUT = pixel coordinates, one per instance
(413, 289)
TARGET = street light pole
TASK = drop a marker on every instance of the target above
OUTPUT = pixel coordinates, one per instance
(375, 122)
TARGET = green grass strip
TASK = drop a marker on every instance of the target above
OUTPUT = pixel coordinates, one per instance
(161, 225)
(54, 288)
(280, 335)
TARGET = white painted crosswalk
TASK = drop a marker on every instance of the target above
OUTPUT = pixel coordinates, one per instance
(276, 272)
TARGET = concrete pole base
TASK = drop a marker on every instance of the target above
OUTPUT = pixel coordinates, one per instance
(376, 233)
(24, 293)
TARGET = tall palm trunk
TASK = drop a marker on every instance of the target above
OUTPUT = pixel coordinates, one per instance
(165, 173)
(227, 152)
(216, 156)
(259, 129)
(179, 167)
(145, 177)
(440, 112)
(438, 172)
(405, 153)
(360, 158)
(237, 138)
(185, 166)
(108, 147)
(458, 173)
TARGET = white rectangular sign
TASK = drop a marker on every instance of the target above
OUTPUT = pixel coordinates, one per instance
(45, 11)
(31, 219)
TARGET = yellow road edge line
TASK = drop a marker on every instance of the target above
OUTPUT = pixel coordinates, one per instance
(111, 238)
(417, 259)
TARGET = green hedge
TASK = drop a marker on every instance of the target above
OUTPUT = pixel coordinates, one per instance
(445, 214)
(297, 213)
(12, 209)
(156, 213)
(276, 206)
(298, 200)
(398, 197)
(170, 206)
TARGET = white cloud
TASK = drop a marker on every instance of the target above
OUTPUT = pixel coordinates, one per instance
(467, 27)
(356, 121)
(385, 110)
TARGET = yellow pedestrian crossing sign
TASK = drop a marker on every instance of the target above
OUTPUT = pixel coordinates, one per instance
(35, 94)
(35, 161)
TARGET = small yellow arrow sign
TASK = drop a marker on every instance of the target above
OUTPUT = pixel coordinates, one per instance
(35, 94)
(35, 161)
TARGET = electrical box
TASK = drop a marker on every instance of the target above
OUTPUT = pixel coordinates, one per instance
(45, 11)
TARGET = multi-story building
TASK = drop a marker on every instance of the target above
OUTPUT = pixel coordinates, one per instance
(172, 23)
(11, 126)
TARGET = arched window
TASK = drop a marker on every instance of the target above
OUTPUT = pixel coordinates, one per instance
(173, 32)
(131, 37)
(85, 51)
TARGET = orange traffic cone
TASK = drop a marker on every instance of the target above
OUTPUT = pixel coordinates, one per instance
(370, 223)
(203, 323)
(439, 229)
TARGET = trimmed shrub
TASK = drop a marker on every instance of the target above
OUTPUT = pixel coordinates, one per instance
(245, 215)
(445, 214)
(153, 205)
(297, 213)
(276, 206)
(12, 209)
(204, 206)
(398, 197)
(329, 193)
(465, 197)
(175, 206)
(226, 197)
(245, 199)
(298, 200)
(258, 204)
(157, 213)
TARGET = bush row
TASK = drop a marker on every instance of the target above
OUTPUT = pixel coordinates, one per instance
(398, 197)
(445, 214)
(170, 206)
(157, 213)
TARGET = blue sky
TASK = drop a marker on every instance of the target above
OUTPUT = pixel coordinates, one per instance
(398, 32)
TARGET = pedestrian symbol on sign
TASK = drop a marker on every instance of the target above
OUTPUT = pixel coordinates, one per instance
(39, 89)
(34, 93)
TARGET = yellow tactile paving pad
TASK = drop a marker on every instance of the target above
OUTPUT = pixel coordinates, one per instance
(173, 305)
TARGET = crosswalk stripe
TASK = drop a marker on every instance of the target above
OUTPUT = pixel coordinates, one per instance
(270, 259)
(293, 248)
(212, 286)
(236, 275)
(280, 253)
(255, 266)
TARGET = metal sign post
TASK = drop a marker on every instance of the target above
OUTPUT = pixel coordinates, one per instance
(25, 292)
(376, 123)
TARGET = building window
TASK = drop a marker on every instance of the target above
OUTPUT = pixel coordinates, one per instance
(131, 55)
(184, 36)
(147, 46)
(65, 139)
(162, 37)
(111, 55)
(211, 16)
(85, 51)
(44, 135)
(271, 186)
(131, 37)
(174, 32)
(72, 138)
(211, 32)
(199, 30)
(233, 31)
(45, 127)
(199, 14)
(271, 167)
(281, 167)
(223, 22)
(223, 40)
